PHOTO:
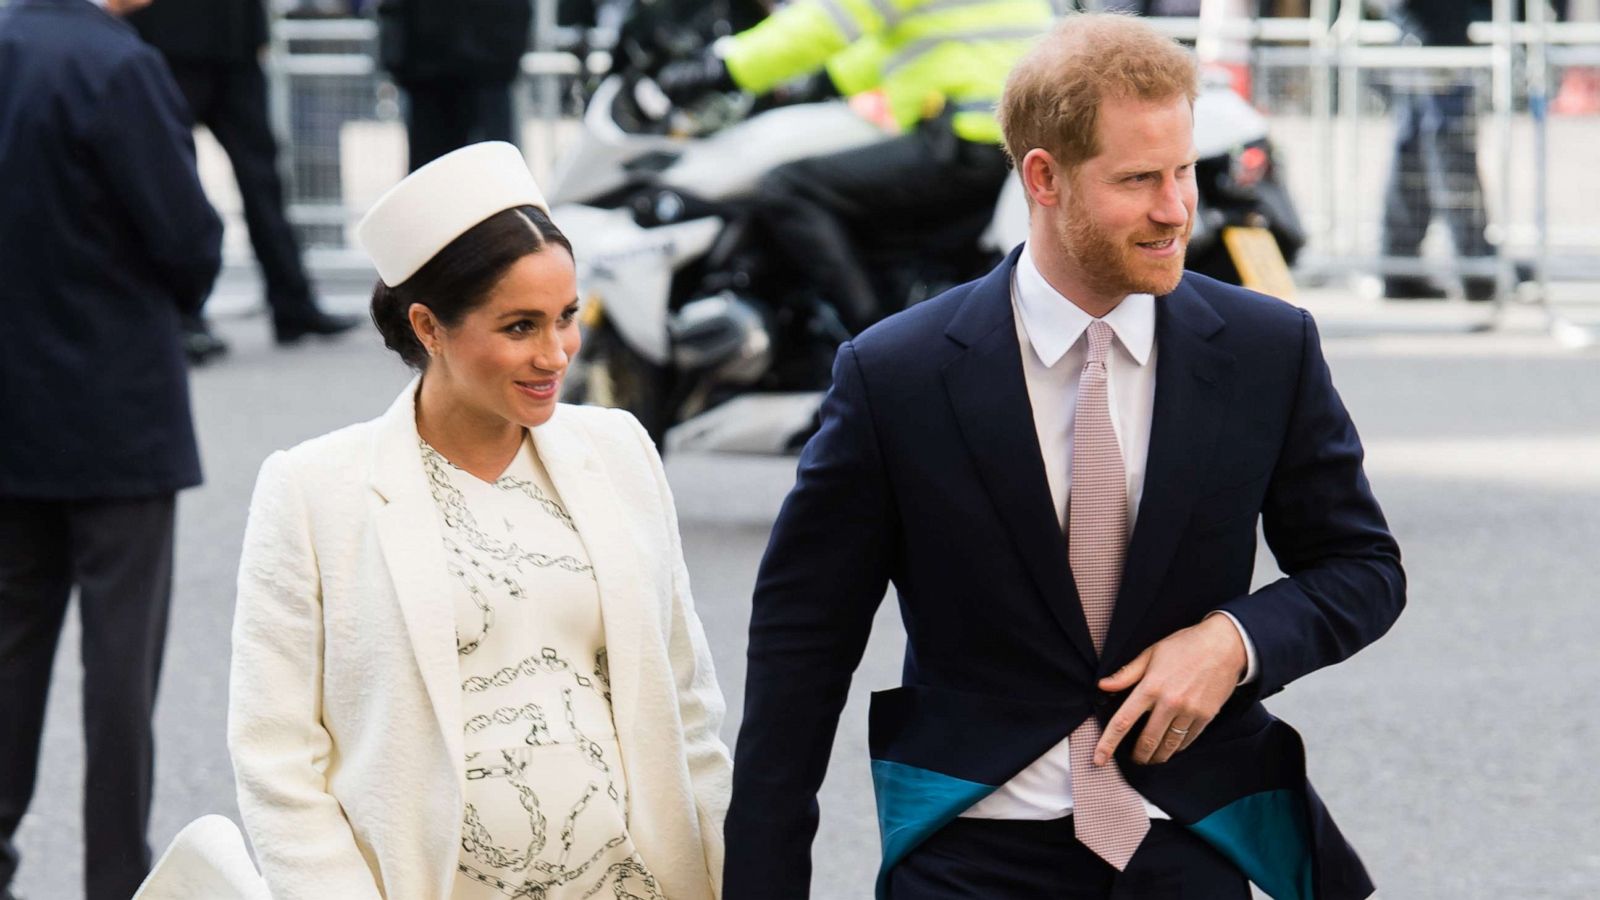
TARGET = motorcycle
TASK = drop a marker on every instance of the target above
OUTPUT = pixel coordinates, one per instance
(1246, 229)
(694, 322)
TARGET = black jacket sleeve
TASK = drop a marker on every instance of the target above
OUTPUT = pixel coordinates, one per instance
(142, 141)
(1345, 585)
(825, 572)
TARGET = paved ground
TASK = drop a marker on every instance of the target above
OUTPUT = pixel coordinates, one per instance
(1457, 753)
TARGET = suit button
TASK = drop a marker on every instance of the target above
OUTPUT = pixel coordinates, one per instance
(1102, 700)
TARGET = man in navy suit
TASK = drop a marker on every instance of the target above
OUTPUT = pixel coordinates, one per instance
(1060, 468)
(106, 239)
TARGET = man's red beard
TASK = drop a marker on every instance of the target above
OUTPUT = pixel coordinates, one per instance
(1115, 268)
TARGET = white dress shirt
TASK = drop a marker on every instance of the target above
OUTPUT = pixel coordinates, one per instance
(1050, 330)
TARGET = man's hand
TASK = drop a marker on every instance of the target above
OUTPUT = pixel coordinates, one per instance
(1182, 680)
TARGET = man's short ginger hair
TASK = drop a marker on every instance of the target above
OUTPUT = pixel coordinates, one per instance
(1052, 97)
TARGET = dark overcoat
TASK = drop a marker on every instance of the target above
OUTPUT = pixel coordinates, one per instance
(105, 238)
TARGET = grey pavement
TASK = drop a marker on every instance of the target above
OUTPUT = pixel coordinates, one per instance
(1455, 753)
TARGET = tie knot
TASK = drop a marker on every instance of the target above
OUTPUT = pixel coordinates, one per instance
(1100, 335)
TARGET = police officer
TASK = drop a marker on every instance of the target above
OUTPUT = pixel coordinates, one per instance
(937, 67)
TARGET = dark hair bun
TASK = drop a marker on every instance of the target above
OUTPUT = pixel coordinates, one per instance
(391, 313)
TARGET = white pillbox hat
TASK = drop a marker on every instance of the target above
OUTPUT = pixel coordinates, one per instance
(439, 202)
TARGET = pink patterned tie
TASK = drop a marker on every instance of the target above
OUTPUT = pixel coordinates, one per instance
(1108, 815)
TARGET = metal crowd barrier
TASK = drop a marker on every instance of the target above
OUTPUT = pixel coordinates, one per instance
(1331, 85)
(341, 130)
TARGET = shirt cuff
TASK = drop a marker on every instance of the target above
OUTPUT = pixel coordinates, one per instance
(1251, 667)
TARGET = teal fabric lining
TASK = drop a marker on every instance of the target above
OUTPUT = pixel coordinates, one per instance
(1266, 836)
(913, 803)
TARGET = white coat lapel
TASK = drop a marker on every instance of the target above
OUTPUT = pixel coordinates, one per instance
(408, 533)
(634, 604)
(586, 491)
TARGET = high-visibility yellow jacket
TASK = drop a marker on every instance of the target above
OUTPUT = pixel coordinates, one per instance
(926, 55)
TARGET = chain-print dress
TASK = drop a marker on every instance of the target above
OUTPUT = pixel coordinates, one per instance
(546, 798)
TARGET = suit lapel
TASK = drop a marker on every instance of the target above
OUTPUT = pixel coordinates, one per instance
(408, 534)
(990, 398)
(1194, 381)
(597, 513)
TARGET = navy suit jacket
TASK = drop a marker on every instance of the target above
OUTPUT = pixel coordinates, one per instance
(927, 474)
(105, 236)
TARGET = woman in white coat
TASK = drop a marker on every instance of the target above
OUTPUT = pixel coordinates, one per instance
(466, 663)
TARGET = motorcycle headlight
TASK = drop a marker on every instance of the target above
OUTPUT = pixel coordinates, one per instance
(660, 207)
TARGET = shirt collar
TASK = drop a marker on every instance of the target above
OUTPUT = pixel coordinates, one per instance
(1053, 323)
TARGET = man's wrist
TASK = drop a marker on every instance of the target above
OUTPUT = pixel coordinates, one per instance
(1243, 647)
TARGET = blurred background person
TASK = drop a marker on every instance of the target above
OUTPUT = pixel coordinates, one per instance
(456, 63)
(1435, 168)
(106, 239)
(931, 75)
(214, 48)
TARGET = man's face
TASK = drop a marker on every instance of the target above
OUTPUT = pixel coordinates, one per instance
(1127, 213)
(123, 7)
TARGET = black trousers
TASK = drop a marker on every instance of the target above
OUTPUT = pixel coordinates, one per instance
(447, 115)
(987, 859)
(812, 206)
(230, 99)
(1435, 172)
(118, 553)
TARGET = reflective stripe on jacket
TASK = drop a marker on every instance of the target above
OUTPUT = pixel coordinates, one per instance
(926, 55)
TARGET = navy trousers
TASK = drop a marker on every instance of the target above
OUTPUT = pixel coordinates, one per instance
(988, 859)
(818, 208)
(446, 115)
(230, 99)
(118, 554)
(1435, 172)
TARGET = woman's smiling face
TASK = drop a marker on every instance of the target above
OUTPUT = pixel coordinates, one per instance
(507, 357)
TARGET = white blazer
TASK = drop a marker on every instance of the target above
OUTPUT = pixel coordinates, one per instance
(344, 715)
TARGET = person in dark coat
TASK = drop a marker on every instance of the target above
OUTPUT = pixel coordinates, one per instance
(214, 48)
(106, 240)
(1435, 169)
(456, 65)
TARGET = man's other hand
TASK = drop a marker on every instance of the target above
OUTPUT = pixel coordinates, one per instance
(1182, 681)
